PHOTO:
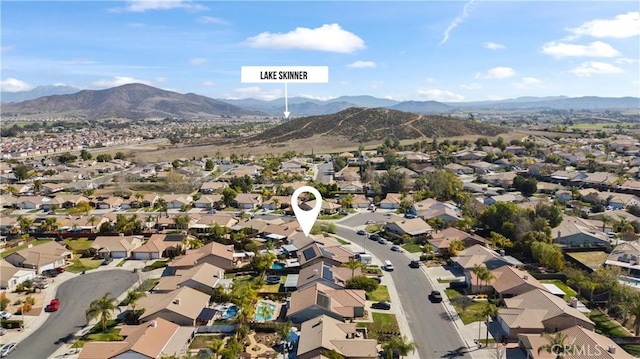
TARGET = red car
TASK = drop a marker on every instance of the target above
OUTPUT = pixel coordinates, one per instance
(53, 305)
(60, 270)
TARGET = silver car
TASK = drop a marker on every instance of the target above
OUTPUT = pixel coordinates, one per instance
(7, 349)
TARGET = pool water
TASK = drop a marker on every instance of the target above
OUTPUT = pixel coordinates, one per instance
(260, 315)
(231, 312)
(277, 266)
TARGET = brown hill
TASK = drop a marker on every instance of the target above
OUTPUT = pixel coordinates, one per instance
(369, 124)
(127, 101)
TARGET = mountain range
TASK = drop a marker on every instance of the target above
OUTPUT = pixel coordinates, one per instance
(140, 101)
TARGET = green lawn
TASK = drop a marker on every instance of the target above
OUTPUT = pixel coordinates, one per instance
(568, 291)
(372, 270)
(122, 262)
(97, 335)
(373, 228)
(342, 241)
(83, 264)
(204, 341)
(79, 245)
(148, 284)
(382, 322)
(18, 248)
(331, 216)
(473, 313)
(449, 280)
(379, 295)
(156, 265)
(607, 326)
(273, 288)
(412, 247)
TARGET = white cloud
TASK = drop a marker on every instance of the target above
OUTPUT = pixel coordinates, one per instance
(208, 83)
(493, 46)
(594, 49)
(472, 86)
(621, 26)
(457, 21)
(595, 68)
(526, 81)
(625, 61)
(500, 72)
(196, 61)
(146, 5)
(362, 64)
(14, 85)
(255, 92)
(212, 20)
(328, 37)
(320, 98)
(160, 79)
(118, 81)
(439, 95)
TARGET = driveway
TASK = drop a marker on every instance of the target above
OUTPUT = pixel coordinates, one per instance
(361, 219)
(431, 326)
(75, 296)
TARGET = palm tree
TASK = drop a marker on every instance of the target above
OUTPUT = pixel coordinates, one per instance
(12, 190)
(605, 219)
(400, 344)
(216, 348)
(103, 308)
(92, 220)
(189, 242)
(556, 345)
(353, 265)
(486, 275)
(132, 298)
(456, 246)
(634, 309)
(161, 204)
(25, 224)
(139, 196)
(49, 225)
(182, 221)
(428, 250)
(488, 311)
(477, 269)
(276, 204)
(37, 186)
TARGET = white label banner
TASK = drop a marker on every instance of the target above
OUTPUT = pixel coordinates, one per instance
(282, 74)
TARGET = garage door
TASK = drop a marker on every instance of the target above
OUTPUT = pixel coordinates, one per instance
(47, 267)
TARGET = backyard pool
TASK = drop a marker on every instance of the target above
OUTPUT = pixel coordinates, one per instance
(265, 314)
(277, 265)
(229, 312)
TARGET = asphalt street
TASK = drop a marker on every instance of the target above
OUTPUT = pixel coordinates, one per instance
(431, 326)
(75, 296)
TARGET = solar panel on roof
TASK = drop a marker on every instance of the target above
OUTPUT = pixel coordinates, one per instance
(323, 300)
(326, 253)
(327, 273)
(309, 254)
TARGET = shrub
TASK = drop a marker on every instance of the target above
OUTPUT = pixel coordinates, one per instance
(362, 282)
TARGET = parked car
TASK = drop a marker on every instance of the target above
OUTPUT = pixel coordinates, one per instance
(414, 264)
(361, 232)
(374, 237)
(8, 348)
(5, 315)
(435, 296)
(3, 331)
(51, 273)
(459, 284)
(377, 279)
(382, 241)
(53, 306)
(409, 216)
(381, 305)
(396, 248)
(370, 222)
(107, 261)
(60, 270)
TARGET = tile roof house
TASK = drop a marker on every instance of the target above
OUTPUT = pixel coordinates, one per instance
(393, 200)
(333, 254)
(202, 277)
(415, 227)
(46, 256)
(538, 311)
(584, 343)
(248, 201)
(214, 253)
(116, 246)
(177, 200)
(478, 254)
(213, 187)
(626, 255)
(442, 240)
(153, 340)
(11, 276)
(320, 272)
(319, 299)
(209, 201)
(573, 232)
(324, 333)
(181, 306)
(155, 248)
(508, 282)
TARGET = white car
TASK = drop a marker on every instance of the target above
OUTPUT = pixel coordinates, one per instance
(7, 349)
(396, 248)
(5, 315)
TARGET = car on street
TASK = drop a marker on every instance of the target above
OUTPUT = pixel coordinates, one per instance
(361, 232)
(382, 241)
(435, 296)
(396, 248)
(5, 315)
(414, 264)
(381, 305)
(8, 348)
(374, 237)
(3, 331)
(370, 222)
(53, 305)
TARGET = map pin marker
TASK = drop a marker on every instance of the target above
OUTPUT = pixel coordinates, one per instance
(306, 218)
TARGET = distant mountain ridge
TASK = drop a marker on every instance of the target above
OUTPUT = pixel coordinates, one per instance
(37, 92)
(136, 101)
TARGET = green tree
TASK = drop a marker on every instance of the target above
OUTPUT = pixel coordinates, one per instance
(489, 311)
(132, 298)
(548, 255)
(21, 172)
(399, 344)
(456, 246)
(353, 264)
(332, 354)
(228, 196)
(217, 348)
(37, 186)
(119, 155)
(104, 157)
(500, 241)
(25, 224)
(102, 308)
(49, 224)
(362, 282)
(209, 165)
(551, 212)
(85, 155)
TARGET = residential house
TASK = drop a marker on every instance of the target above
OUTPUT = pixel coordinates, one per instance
(209, 201)
(7, 201)
(501, 179)
(207, 221)
(360, 201)
(393, 200)
(108, 202)
(573, 232)
(478, 254)
(414, 228)
(148, 200)
(324, 333)
(351, 186)
(154, 248)
(459, 169)
(177, 200)
(330, 252)
(153, 340)
(30, 202)
(214, 253)
(508, 282)
(281, 231)
(623, 200)
(482, 167)
(248, 201)
(330, 276)
(182, 306)
(507, 197)
(203, 277)
(51, 188)
(582, 342)
(564, 195)
(626, 256)
(49, 255)
(11, 276)
(328, 207)
(538, 311)
(115, 246)
(213, 187)
(319, 299)
(277, 202)
(441, 241)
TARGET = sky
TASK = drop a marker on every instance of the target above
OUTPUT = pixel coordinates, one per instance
(418, 50)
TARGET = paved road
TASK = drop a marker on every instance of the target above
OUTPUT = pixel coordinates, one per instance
(323, 173)
(430, 325)
(75, 296)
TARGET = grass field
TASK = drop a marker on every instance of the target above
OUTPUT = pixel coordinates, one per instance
(79, 245)
(204, 341)
(607, 326)
(412, 247)
(83, 264)
(568, 292)
(591, 259)
(383, 322)
(473, 313)
(97, 335)
(379, 295)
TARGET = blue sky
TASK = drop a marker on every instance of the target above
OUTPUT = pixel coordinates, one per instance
(419, 50)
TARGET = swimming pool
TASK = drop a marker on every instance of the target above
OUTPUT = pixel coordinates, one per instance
(277, 265)
(230, 312)
(265, 314)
